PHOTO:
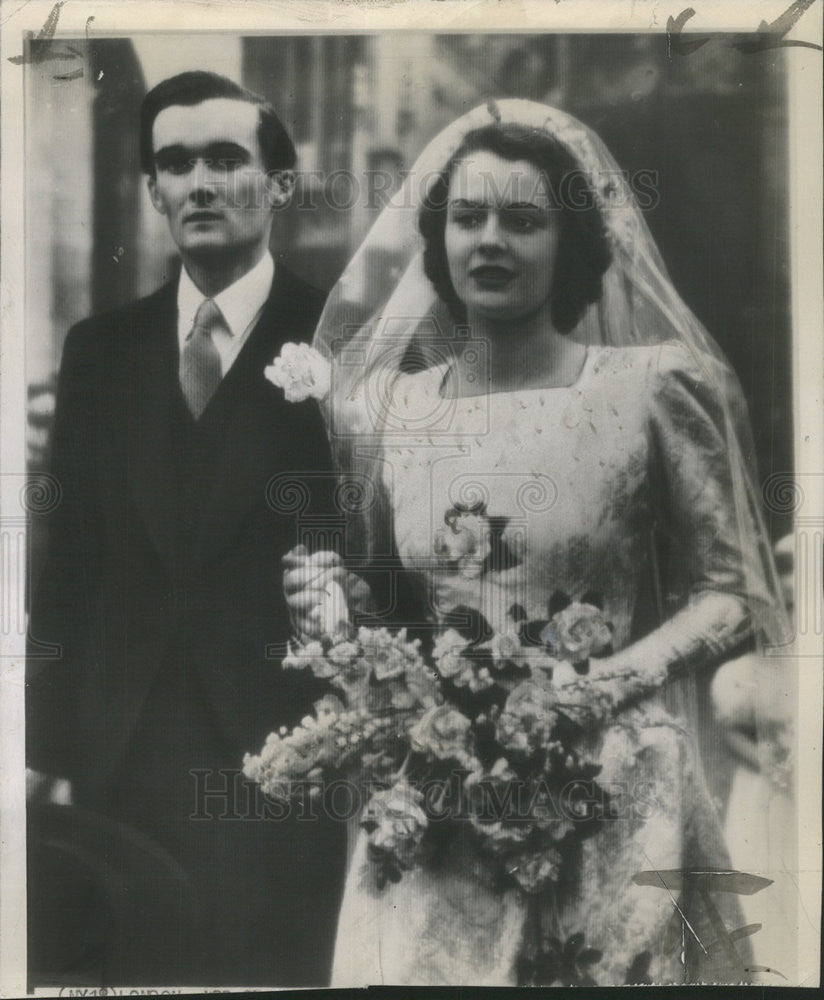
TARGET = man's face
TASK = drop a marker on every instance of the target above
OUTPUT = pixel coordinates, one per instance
(210, 179)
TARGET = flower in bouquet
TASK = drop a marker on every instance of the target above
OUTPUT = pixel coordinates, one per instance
(506, 648)
(464, 535)
(528, 718)
(395, 823)
(301, 371)
(534, 870)
(568, 963)
(455, 663)
(336, 660)
(385, 656)
(523, 850)
(351, 670)
(309, 656)
(397, 677)
(330, 708)
(501, 839)
(577, 632)
(494, 804)
(549, 814)
(446, 652)
(301, 755)
(444, 734)
(343, 654)
(464, 543)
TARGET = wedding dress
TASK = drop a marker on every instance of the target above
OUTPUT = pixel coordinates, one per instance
(573, 479)
(628, 487)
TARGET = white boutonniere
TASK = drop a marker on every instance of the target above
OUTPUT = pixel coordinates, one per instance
(301, 371)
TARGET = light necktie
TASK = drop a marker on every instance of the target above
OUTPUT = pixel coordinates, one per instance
(200, 371)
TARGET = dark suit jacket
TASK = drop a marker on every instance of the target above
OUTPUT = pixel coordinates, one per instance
(163, 582)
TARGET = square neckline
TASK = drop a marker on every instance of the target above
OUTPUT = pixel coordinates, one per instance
(447, 368)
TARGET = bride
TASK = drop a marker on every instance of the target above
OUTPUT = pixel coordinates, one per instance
(535, 416)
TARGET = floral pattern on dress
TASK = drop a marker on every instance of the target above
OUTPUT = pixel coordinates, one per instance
(631, 449)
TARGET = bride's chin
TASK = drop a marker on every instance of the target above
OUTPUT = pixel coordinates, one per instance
(500, 310)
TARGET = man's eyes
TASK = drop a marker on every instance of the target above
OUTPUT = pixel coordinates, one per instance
(175, 166)
(180, 165)
(520, 223)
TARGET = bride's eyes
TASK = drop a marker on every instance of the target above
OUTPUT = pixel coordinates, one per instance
(523, 220)
(466, 218)
(513, 220)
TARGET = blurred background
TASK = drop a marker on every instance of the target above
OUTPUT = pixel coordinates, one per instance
(710, 123)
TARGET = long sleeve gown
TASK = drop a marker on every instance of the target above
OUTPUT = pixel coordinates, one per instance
(618, 484)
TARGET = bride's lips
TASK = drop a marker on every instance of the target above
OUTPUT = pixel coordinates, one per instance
(491, 275)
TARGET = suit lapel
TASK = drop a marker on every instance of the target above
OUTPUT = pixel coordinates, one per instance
(253, 416)
(250, 416)
(152, 386)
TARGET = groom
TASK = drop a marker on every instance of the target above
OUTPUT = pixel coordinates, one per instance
(163, 583)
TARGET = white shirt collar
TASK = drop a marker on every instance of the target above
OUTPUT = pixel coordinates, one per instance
(239, 304)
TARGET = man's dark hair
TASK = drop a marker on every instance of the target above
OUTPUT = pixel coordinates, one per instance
(583, 253)
(197, 86)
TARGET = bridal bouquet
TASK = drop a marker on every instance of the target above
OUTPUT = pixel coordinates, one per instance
(488, 732)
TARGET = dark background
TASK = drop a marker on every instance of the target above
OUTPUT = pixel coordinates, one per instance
(711, 124)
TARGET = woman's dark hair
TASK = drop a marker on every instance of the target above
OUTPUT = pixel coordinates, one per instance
(197, 86)
(583, 253)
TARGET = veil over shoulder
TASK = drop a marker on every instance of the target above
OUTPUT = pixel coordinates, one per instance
(383, 304)
(384, 311)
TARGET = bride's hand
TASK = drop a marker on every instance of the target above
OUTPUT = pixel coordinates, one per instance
(592, 699)
(588, 701)
(306, 586)
(623, 684)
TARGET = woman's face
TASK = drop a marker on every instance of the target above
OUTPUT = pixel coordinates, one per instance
(501, 235)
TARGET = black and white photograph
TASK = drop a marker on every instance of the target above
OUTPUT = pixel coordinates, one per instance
(411, 485)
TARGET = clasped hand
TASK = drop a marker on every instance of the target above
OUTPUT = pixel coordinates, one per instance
(311, 583)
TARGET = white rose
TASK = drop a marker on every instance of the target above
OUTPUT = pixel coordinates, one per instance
(577, 632)
(507, 646)
(446, 653)
(464, 538)
(301, 371)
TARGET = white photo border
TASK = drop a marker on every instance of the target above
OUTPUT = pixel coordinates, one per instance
(106, 19)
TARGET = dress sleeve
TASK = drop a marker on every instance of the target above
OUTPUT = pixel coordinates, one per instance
(704, 510)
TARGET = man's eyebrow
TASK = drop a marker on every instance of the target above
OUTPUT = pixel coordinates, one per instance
(168, 152)
(224, 148)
